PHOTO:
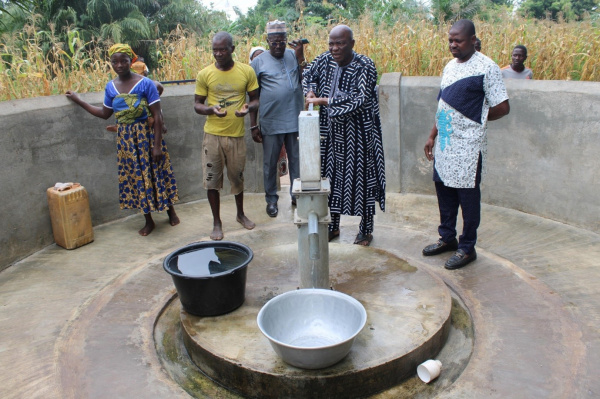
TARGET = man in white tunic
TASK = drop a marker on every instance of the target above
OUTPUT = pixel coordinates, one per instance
(472, 93)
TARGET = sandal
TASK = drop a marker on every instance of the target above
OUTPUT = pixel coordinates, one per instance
(333, 234)
(363, 240)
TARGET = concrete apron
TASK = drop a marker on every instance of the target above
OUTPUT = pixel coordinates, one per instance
(408, 320)
(80, 323)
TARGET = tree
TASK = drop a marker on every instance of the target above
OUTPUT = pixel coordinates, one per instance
(188, 14)
(5, 5)
(137, 23)
(12, 12)
(452, 10)
(568, 9)
(392, 11)
(118, 20)
(505, 3)
(267, 10)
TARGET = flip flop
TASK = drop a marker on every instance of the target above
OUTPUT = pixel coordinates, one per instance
(363, 240)
(333, 234)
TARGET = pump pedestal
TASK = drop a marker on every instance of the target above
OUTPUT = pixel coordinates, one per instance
(312, 218)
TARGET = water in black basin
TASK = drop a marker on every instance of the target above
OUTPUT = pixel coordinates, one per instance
(207, 261)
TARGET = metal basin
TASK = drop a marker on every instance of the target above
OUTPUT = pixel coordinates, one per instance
(312, 328)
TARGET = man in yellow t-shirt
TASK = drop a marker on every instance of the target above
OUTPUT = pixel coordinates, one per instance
(221, 95)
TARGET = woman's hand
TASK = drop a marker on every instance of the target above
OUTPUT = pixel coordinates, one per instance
(157, 154)
(73, 96)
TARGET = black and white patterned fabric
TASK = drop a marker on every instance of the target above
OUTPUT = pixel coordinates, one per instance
(351, 139)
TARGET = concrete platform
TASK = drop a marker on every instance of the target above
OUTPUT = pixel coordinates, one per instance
(79, 324)
(408, 321)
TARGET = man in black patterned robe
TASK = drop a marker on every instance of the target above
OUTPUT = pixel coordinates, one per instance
(343, 83)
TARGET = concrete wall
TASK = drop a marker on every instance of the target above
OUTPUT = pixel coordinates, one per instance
(543, 157)
(50, 139)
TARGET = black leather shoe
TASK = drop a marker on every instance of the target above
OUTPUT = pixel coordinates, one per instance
(460, 259)
(440, 247)
(272, 209)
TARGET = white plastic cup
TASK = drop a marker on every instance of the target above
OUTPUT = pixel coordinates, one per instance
(429, 370)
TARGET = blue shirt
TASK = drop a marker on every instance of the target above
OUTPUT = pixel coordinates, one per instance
(281, 98)
(133, 106)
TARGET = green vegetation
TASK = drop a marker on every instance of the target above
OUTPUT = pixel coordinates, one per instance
(569, 10)
(50, 46)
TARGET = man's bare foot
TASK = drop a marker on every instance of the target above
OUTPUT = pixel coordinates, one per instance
(147, 229)
(244, 221)
(217, 233)
(173, 218)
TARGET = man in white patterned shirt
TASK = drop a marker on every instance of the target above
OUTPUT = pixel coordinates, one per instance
(472, 93)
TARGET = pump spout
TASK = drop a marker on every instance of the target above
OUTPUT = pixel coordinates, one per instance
(313, 236)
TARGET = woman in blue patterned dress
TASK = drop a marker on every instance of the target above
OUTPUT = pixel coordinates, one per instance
(146, 179)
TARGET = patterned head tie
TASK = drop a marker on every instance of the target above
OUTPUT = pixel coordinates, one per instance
(122, 48)
(276, 27)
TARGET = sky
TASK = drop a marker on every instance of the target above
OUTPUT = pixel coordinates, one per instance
(227, 5)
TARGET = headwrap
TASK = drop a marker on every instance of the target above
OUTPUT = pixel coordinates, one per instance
(254, 50)
(276, 27)
(122, 48)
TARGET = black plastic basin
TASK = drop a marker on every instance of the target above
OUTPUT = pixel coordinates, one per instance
(210, 277)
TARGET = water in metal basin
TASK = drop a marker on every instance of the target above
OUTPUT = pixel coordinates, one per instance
(316, 334)
(313, 341)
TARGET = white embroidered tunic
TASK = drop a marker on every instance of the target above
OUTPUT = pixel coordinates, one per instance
(468, 91)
